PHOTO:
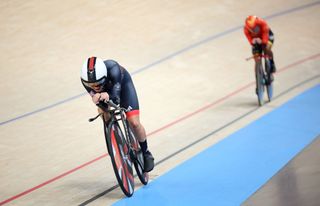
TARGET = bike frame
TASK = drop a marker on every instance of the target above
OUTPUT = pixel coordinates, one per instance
(259, 73)
(262, 75)
(267, 75)
(123, 148)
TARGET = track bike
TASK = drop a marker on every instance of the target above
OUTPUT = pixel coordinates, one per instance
(123, 147)
(263, 77)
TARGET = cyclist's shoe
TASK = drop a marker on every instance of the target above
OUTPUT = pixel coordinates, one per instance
(148, 161)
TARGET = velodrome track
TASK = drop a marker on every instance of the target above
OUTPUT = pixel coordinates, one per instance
(188, 63)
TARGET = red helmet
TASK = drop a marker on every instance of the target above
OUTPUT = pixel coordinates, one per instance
(251, 23)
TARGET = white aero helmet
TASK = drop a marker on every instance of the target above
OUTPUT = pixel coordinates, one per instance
(94, 72)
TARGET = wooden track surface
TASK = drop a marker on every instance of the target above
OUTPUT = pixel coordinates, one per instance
(188, 64)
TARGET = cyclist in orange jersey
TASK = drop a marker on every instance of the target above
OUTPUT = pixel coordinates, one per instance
(260, 37)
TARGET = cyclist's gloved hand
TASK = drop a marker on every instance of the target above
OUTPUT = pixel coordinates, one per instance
(104, 96)
(257, 48)
(96, 98)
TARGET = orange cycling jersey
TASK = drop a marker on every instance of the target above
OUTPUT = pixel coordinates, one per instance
(262, 31)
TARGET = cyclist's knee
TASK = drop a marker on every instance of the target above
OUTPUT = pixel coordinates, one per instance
(134, 123)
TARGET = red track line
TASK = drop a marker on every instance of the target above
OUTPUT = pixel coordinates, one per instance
(52, 180)
(299, 62)
(157, 130)
(201, 109)
(229, 95)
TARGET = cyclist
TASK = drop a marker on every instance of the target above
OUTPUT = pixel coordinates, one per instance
(106, 80)
(260, 37)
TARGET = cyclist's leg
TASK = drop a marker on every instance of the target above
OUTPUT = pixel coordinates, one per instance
(136, 126)
(256, 51)
(129, 100)
(268, 51)
(140, 133)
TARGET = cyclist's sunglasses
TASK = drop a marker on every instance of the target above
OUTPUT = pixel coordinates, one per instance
(95, 84)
